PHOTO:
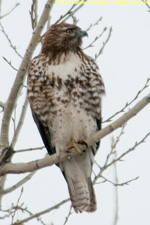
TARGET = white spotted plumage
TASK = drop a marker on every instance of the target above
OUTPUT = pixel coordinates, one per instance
(64, 92)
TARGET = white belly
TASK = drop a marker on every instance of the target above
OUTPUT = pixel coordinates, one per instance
(71, 123)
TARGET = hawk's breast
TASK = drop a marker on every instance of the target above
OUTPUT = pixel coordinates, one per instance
(66, 95)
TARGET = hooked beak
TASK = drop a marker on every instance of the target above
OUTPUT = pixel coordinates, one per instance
(82, 34)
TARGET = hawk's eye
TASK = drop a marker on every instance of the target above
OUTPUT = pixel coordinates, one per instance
(69, 31)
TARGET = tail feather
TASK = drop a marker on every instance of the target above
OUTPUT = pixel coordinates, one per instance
(81, 189)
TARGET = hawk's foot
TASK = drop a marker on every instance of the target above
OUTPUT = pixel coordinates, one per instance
(73, 144)
(81, 142)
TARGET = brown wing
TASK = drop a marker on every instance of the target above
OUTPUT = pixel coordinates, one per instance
(45, 134)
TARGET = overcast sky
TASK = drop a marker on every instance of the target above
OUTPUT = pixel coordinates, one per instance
(125, 67)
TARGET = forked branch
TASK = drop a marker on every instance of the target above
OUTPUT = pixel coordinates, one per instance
(54, 159)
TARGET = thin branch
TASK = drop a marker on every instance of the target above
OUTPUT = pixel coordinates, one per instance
(94, 24)
(10, 42)
(116, 184)
(17, 4)
(128, 151)
(33, 14)
(96, 39)
(66, 14)
(112, 152)
(54, 159)
(10, 212)
(18, 84)
(17, 205)
(73, 12)
(19, 184)
(146, 3)
(0, 10)
(9, 62)
(67, 217)
(75, 20)
(104, 44)
(42, 212)
(20, 123)
(129, 103)
(116, 187)
(2, 105)
(114, 144)
(29, 149)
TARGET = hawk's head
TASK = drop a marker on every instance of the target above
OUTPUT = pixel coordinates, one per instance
(63, 37)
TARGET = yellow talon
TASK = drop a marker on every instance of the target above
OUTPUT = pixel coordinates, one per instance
(73, 144)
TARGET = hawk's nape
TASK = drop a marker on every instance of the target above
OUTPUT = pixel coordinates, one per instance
(65, 90)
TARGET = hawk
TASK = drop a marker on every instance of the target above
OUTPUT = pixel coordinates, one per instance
(65, 90)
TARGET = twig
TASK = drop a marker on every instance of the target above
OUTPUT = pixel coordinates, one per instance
(128, 151)
(54, 159)
(33, 14)
(0, 10)
(94, 24)
(104, 44)
(15, 208)
(2, 105)
(29, 149)
(66, 14)
(20, 123)
(73, 12)
(116, 184)
(114, 144)
(96, 38)
(9, 62)
(42, 212)
(17, 205)
(10, 42)
(17, 4)
(19, 184)
(128, 103)
(75, 20)
(69, 214)
(146, 3)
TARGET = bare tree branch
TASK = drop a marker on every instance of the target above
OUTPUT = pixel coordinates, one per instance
(20, 123)
(94, 24)
(104, 44)
(0, 10)
(119, 122)
(17, 185)
(9, 62)
(29, 149)
(17, 4)
(116, 181)
(54, 159)
(33, 14)
(18, 84)
(66, 14)
(146, 3)
(129, 103)
(42, 212)
(69, 214)
(96, 38)
(2, 105)
(128, 151)
(73, 12)
(10, 42)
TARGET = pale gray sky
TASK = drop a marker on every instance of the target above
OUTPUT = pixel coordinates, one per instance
(125, 68)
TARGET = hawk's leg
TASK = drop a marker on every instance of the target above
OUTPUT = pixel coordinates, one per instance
(73, 144)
